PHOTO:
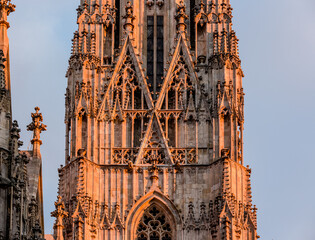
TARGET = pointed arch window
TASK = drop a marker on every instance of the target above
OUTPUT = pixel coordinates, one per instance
(155, 52)
(154, 225)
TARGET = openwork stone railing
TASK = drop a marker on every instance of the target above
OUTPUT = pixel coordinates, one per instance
(149, 155)
(184, 155)
(124, 155)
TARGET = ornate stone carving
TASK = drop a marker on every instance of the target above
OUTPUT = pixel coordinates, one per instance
(6, 7)
(154, 224)
(37, 126)
(128, 149)
(129, 17)
(181, 17)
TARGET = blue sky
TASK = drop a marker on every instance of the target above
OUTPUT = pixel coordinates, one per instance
(277, 40)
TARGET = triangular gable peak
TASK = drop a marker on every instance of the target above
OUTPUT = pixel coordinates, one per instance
(82, 106)
(181, 63)
(181, 76)
(191, 110)
(106, 113)
(128, 74)
(83, 98)
(105, 219)
(249, 221)
(117, 222)
(79, 212)
(154, 149)
(204, 110)
(225, 106)
(227, 211)
(117, 111)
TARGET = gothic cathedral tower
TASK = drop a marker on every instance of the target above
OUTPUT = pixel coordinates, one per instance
(154, 125)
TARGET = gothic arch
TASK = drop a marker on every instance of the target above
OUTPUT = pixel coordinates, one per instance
(158, 199)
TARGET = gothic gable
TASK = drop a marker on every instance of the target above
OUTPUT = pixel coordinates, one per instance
(127, 86)
(181, 76)
(154, 148)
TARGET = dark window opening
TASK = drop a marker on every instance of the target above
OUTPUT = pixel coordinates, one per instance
(192, 24)
(137, 132)
(150, 52)
(137, 99)
(155, 53)
(159, 52)
(117, 25)
(171, 132)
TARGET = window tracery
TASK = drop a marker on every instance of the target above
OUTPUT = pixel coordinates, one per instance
(154, 225)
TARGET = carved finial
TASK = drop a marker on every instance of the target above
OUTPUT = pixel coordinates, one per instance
(181, 16)
(59, 214)
(37, 127)
(211, 6)
(129, 17)
(85, 4)
(202, 4)
(7, 7)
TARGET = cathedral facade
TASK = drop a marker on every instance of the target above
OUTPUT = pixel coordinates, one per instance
(154, 125)
(21, 195)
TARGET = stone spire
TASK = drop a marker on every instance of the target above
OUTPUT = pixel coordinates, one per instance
(37, 127)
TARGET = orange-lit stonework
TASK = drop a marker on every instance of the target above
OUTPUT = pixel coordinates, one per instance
(154, 125)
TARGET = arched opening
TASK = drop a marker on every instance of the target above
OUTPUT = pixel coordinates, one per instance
(155, 224)
(141, 209)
